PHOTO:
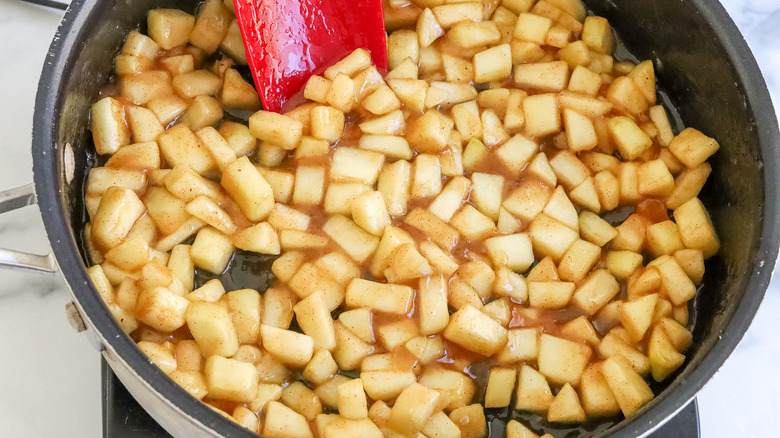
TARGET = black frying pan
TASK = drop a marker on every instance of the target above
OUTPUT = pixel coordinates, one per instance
(702, 63)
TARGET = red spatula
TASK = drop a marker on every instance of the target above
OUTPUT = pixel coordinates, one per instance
(289, 40)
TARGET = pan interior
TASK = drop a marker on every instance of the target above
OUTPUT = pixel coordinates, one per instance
(707, 89)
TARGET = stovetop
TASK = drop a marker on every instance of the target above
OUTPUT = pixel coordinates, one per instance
(123, 417)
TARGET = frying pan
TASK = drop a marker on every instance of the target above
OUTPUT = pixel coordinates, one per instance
(703, 65)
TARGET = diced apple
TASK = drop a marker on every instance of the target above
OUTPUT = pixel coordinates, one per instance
(475, 331)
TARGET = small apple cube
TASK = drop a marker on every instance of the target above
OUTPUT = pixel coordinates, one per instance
(543, 76)
(693, 148)
(677, 286)
(428, 28)
(473, 224)
(631, 234)
(532, 28)
(566, 407)
(388, 298)
(696, 229)
(578, 260)
(623, 263)
(456, 389)
(412, 409)
(580, 132)
(382, 101)
(629, 137)
(356, 242)
(533, 391)
(584, 80)
(392, 123)
(662, 354)
(316, 89)
(341, 94)
(230, 379)
(655, 180)
(475, 331)
(170, 27)
(356, 165)
(212, 329)
(516, 153)
(628, 387)
(471, 420)
(596, 397)
(617, 344)
(474, 34)
(450, 199)
(597, 34)
(493, 131)
(434, 315)
(321, 368)
(391, 239)
(283, 422)
(561, 360)
(435, 228)
(117, 212)
(513, 251)
(540, 168)
(430, 132)
(501, 383)
(624, 94)
(528, 200)
(386, 384)
(542, 115)
(487, 192)
(467, 119)
(212, 250)
(440, 426)
(109, 129)
(636, 316)
(248, 188)
(370, 213)
(663, 238)
(687, 185)
(352, 400)
(550, 237)
(594, 229)
(390, 145)
(450, 14)
(394, 184)
(598, 289)
(289, 347)
(493, 64)
(313, 315)
(327, 123)
(276, 129)
(550, 294)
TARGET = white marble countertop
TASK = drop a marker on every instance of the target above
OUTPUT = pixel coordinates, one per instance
(50, 376)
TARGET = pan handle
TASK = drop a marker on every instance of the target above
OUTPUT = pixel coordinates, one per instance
(11, 200)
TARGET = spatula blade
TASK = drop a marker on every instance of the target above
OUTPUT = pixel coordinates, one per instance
(289, 40)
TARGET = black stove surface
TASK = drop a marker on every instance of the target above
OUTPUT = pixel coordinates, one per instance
(123, 417)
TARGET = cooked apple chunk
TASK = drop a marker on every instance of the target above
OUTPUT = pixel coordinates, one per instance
(248, 187)
(493, 64)
(695, 226)
(475, 331)
(628, 387)
(118, 211)
(388, 298)
(533, 391)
